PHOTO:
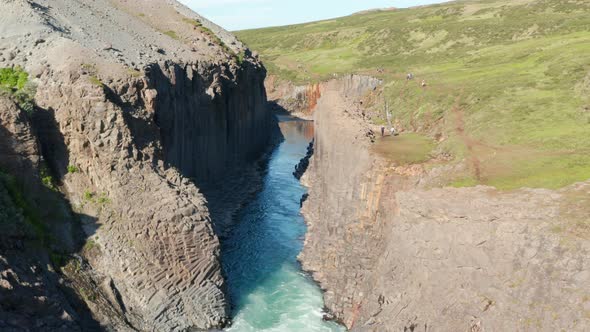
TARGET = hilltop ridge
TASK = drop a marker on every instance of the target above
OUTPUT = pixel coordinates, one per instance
(369, 11)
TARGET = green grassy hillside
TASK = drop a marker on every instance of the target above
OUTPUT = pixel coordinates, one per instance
(508, 80)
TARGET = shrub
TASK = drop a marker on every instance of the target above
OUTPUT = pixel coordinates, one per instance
(24, 99)
(72, 169)
(13, 78)
(48, 182)
(103, 199)
(240, 57)
(88, 195)
(46, 177)
(15, 81)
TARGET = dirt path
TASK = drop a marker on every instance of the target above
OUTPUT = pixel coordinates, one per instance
(469, 142)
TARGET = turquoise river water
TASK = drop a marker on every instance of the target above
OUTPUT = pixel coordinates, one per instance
(267, 287)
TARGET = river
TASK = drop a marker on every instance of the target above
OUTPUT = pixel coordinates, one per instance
(267, 287)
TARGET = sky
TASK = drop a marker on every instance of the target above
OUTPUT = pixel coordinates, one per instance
(248, 14)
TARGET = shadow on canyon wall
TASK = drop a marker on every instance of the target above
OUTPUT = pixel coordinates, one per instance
(205, 132)
(39, 229)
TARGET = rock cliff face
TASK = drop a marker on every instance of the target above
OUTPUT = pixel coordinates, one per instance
(137, 106)
(299, 100)
(222, 132)
(393, 254)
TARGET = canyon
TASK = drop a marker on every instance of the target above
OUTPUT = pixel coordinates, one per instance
(474, 216)
(146, 184)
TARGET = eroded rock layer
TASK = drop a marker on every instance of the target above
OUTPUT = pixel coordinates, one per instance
(136, 108)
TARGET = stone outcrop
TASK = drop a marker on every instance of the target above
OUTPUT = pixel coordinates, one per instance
(133, 116)
(302, 166)
(392, 254)
(301, 100)
(297, 100)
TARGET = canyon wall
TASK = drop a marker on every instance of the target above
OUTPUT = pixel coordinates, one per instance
(204, 136)
(133, 115)
(394, 253)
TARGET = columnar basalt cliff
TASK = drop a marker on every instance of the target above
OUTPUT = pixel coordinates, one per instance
(195, 124)
(395, 254)
(137, 106)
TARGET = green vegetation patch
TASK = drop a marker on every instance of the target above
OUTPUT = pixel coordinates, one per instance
(88, 195)
(92, 197)
(134, 73)
(195, 23)
(13, 79)
(172, 34)
(103, 199)
(405, 149)
(73, 169)
(46, 177)
(96, 81)
(15, 82)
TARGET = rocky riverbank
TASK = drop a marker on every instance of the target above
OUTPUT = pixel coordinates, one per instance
(394, 252)
(137, 107)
